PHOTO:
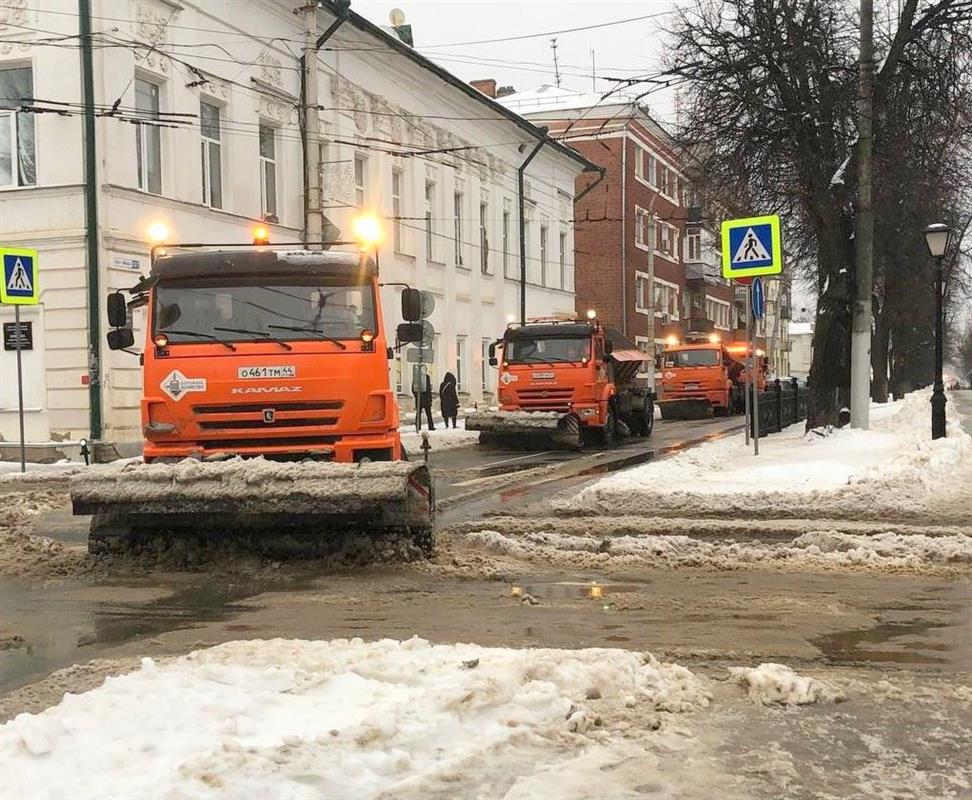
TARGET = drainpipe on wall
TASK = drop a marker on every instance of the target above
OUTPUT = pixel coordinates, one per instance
(624, 230)
(91, 222)
(522, 209)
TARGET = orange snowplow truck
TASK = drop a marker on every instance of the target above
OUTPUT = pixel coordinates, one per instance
(280, 354)
(702, 379)
(562, 378)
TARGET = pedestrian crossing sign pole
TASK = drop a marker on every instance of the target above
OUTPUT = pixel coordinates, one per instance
(751, 247)
(19, 287)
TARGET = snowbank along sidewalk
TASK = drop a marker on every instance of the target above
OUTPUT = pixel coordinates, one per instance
(440, 439)
(846, 473)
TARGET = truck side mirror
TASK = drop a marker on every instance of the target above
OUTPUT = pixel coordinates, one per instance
(117, 310)
(608, 347)
(411, 305)
(492, 354)
(120, 339)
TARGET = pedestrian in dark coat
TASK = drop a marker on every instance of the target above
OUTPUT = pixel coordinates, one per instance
(425, 401)
(449, 399)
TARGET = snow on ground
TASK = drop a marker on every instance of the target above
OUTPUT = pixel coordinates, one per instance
(776, 683)
(818, 549)
(301, 719)
(440, 439)
(894, 462)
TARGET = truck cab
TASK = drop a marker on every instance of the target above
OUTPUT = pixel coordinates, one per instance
(277, 353)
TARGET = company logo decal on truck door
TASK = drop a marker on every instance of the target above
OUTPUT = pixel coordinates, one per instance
(176, 385)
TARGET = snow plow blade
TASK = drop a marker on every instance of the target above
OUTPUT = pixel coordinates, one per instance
(695, 408)
(526, 430)
(309, 503)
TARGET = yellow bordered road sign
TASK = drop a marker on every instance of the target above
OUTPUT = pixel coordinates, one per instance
(18, 281)
(751, 246)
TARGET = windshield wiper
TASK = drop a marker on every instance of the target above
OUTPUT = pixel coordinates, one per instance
(324, 336)
(264, 334)
(216, 339)
(529, 360)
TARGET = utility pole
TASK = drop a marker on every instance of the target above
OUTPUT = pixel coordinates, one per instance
(864, 240)
(90, 221)
(553, 46)
(313, 219)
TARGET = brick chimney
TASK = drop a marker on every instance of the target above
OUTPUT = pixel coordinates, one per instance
(486, 86)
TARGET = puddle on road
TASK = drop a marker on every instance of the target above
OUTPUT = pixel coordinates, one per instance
(903, 643)
(60, 628)
(571, 590)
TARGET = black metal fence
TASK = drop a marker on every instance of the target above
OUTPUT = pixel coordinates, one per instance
(783, 403)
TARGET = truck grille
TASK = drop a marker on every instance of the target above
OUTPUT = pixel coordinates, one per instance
(259, 424)
(548, 399)
(226, 417)
(257, 408)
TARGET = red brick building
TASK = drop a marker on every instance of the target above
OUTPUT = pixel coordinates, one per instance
(647, 257)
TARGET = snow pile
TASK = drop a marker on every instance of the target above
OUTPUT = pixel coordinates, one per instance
(777, 683)
(895, 464)
(815, 549)
(440, 439)
(301, 719)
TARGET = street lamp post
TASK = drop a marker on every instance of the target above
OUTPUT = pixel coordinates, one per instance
(937, 238)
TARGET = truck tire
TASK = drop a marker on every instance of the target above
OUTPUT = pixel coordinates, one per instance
(648, 418)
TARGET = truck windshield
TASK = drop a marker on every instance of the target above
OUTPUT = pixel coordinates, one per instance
(692, 358)
(550, 349)
(305, 309)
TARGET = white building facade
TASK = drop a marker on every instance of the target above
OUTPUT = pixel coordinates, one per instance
(199, 127)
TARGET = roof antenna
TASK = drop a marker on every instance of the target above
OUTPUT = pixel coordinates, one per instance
(593, 74)
(553, 46)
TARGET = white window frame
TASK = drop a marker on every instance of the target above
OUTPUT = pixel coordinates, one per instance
(269, 163)
(486, 373)
(723, 304)
(696, 240)
(360, 181)
(507, 218)
(430, 187)
(643, 279)
(207, 145)
(669, 288)
(397, 186)
(544, 236)
(15, 117)
(462, 370)
(458, 204)
(672, 231)
(484, 254)
(639, 157)
(562, 257)
(656, 163)
(643, 228)
(141, 150)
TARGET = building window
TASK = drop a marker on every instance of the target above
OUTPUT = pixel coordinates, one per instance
(484, 238)
(148, 137)
(665, 299)
(527, 235)
(429, 220)
(718, 311)
(268, 171)
(639, 157)
(506, 239)
(212, 174)
(693, 247)
(460, 363)
(643, 293)
(359, 181)
(666, 240)
(398, 179)
(653, 171)
(18, 166)
(543, 255)
(562, 256)
(643, 223)
(485, 372)
(457, 227)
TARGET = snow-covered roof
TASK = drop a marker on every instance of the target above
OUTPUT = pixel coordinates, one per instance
(548, 98)
(800, 328)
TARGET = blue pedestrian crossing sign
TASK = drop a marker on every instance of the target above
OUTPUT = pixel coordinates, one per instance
(19, 285)
(751, 247)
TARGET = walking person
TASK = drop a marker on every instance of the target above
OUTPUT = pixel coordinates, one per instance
(425, 403)
(449, 399)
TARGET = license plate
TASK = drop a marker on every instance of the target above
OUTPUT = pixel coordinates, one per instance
(258, 373)
(544, 376)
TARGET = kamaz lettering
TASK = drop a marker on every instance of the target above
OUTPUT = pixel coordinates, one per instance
(266, 389)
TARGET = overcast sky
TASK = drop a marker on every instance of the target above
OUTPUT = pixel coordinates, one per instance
(624, 50)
